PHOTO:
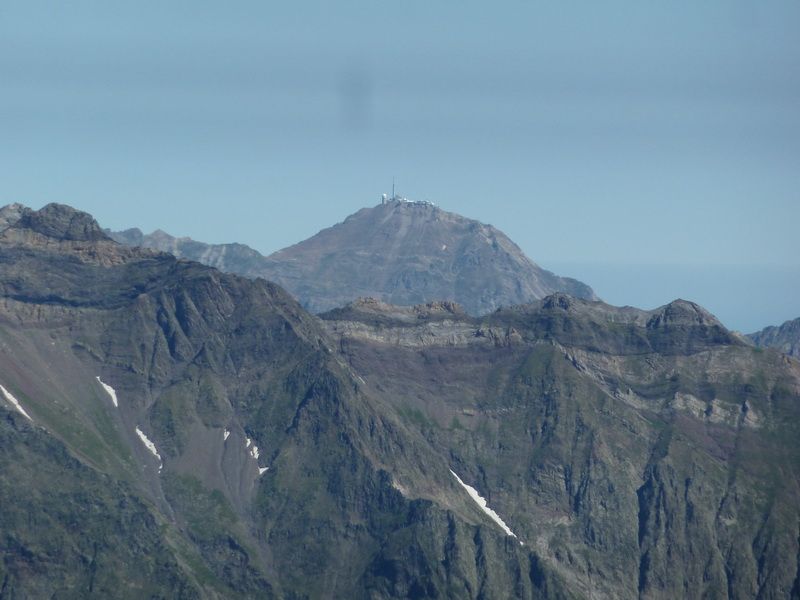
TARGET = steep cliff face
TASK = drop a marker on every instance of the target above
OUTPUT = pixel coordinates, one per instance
(642, 453)
(206, 425)
(785, 338)
(400, 252)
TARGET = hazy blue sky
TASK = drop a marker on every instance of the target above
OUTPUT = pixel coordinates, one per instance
(651, 149)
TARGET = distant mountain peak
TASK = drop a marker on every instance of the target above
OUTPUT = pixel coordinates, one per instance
(785, 337)
(683, 312)
(400, 251)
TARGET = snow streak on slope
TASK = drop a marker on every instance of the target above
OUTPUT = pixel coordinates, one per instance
(150, 446)
(253, 448)
(480, 501)
(110, 390)
(254, 453)
(15, 402)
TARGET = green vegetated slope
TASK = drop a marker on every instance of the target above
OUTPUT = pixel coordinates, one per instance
(69, 531)
(642, 454)
(245, 457)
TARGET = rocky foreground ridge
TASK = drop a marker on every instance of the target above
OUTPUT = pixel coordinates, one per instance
(209, 438)
(649, 454)
(402, 252)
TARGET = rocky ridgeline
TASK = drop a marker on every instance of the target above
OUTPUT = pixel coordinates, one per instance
(633, 449)
(785, 338)
(399, 252)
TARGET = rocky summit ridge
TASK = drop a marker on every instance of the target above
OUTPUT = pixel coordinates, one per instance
(785, 337)
(401, 252)
(61, 222)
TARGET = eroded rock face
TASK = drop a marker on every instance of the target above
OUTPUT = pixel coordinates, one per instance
(633, 449)
(785, 338)
(10, 214)
(61, 222)
(403, 253)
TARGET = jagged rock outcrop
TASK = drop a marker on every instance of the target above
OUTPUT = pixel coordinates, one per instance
(60, 222)
(785, 338)
(10, 214)
(400, 252)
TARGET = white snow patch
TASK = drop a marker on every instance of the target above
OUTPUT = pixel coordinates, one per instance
(150, 446)
(110, 390)
(15, 402)
(480, 501)
(254, 452)
(226, 435)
